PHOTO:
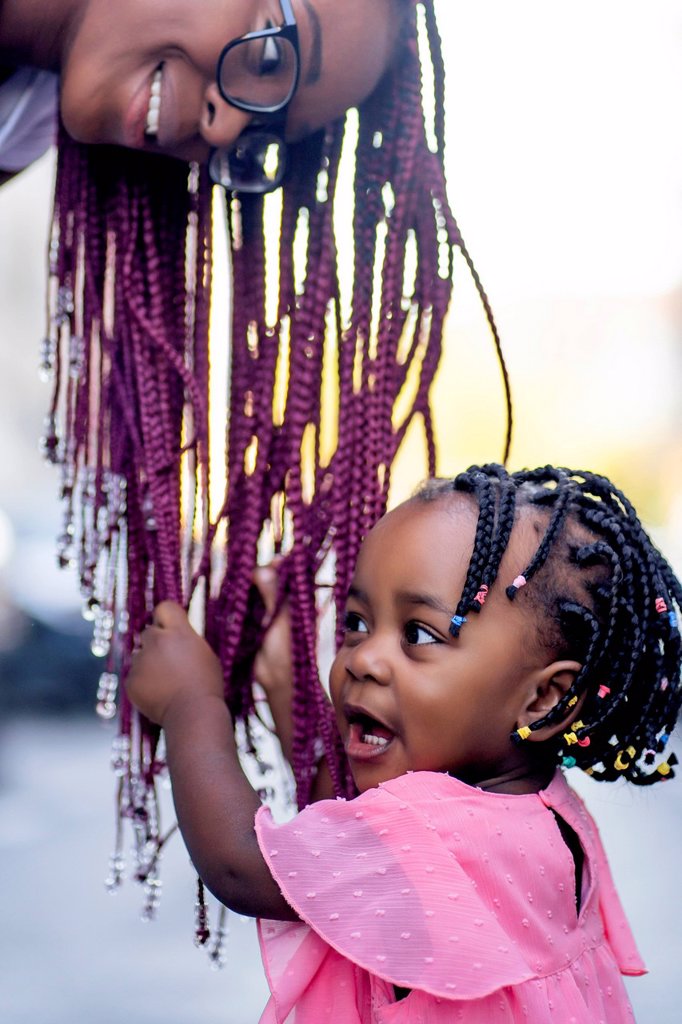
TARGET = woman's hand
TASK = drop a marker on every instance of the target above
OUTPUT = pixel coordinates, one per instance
(173, 664)
(273, 668)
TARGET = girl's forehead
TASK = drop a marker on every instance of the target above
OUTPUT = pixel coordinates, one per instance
(433, 540)
(423, 539)
(453, 514)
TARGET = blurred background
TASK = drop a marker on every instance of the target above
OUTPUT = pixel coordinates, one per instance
(565, 171)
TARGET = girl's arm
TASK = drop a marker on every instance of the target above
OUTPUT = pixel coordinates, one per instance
(176, 681)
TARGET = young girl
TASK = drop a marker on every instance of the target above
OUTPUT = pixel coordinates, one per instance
(497, 628)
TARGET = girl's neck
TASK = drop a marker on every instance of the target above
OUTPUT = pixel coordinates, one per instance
(37, 33)
(517, 781)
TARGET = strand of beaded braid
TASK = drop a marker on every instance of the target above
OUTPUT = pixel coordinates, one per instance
(386, 336)
(480, 485)
(613, 604)
(128, 305)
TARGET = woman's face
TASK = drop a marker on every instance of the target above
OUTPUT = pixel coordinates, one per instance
(116, 52)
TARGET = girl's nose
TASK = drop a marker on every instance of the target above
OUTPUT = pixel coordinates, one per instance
(369, 660)
(221, 124)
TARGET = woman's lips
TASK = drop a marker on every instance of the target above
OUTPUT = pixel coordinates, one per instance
(173, 116)
(136, 116)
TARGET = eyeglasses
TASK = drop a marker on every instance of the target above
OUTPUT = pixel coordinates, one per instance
(259, 73)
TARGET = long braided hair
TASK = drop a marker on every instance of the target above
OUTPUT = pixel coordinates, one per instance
(328, 371)
(604, 596)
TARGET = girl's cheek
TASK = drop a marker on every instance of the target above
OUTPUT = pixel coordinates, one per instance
(335, 675)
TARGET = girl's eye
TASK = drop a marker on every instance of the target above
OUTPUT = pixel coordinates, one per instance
(416, 635)
(354, 623)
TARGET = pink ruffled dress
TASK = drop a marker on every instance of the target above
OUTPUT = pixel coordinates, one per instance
(466, 898)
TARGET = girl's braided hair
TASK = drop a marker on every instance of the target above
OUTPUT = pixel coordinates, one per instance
(329, 369)
(605, 597)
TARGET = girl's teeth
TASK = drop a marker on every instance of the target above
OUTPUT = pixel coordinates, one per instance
(374, 741)
(154, 108)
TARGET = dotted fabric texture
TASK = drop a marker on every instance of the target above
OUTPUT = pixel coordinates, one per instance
(463, 896)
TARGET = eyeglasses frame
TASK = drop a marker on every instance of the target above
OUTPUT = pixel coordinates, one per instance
(275, 116)
(289, 31)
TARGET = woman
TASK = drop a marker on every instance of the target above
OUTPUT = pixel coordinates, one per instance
(329, 369)
(113, 61)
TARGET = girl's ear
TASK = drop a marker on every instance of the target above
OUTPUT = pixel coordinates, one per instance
(551, 685)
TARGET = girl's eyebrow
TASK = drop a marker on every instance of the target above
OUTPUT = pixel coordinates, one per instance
(406, 597)
(429, 600)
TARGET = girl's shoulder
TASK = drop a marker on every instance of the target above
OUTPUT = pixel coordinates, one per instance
(432, 884)
(443, 816)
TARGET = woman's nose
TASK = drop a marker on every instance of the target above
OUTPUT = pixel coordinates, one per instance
(221, 124)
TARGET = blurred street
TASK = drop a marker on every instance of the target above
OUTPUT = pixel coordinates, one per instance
(69, 951)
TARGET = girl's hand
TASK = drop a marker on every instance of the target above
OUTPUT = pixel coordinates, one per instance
(174, 663)
(177, 681)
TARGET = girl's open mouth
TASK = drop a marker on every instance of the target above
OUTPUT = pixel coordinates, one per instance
(367, 737)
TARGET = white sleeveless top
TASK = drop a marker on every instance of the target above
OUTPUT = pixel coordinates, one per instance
(28, 117)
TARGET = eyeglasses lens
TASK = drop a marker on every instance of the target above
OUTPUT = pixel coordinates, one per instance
(256, 163)
(260, 73)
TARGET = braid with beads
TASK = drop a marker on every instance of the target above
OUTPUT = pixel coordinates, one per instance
(324, 384)
(605, 597)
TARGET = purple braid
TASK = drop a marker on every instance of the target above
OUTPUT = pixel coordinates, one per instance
(129, 421)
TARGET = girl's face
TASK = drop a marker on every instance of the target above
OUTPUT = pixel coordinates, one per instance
(116, 49)
(407, 695)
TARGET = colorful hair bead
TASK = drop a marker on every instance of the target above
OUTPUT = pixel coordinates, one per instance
(664, 769)
(524, 732)
(482, 594)
(604, 691)
(572, 702)
(584, 742)
(665, 683)
(569, 762)
(456, 624)
(672, 619)
(661, 606)
(621, 765)
(519, 582)
(570, 738)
